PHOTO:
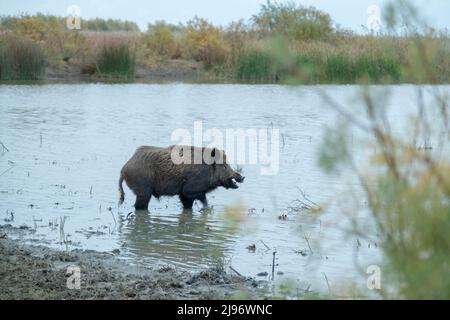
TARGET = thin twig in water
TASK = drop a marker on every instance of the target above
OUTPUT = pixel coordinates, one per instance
(307, 289)
(4, 147)
(303, 204)
(305, 196)
(307, 241)
(115, 223)
(328, 284)
(62, 223)
(268, 248)
(273, 264)
(6, 171)
(235, 271)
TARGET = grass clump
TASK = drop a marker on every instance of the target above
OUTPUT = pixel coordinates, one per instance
(21, 59)
(255, 65)
(343, 69)
(116, 60)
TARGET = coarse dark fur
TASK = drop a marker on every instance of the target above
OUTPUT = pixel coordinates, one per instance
(151, 172)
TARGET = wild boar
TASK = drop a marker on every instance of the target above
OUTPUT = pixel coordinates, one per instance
(152, 171)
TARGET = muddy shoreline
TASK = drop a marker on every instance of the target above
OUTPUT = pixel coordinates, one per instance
(38, 272)
(172, 70)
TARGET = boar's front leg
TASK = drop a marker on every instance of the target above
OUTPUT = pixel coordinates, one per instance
(187, 202)
(203, 200)
(192, 190)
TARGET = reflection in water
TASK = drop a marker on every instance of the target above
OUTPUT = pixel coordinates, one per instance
(186, 239)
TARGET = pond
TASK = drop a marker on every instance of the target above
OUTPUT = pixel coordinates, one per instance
(66, 144)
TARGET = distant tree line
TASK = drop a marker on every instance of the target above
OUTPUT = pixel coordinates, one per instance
(41, 21)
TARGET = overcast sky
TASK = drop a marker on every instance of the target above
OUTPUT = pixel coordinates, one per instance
(347, 13)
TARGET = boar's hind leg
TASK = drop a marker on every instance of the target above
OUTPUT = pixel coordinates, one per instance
(142, 199)
(187, 202)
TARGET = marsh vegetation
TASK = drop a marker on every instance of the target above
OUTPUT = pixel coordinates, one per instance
(313, 48)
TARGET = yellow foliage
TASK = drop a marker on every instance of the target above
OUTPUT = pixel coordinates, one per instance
(161, 40)
(205, 42)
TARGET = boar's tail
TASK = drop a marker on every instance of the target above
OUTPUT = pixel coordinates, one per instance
(121, 193)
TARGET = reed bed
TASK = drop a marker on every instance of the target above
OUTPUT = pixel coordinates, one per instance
(21, 59)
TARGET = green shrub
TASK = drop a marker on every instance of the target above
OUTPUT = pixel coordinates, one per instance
(407, 189)
(406, 181)
(293, 21)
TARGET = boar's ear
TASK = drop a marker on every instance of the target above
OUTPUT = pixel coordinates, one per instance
(213, 156)
(217, 156)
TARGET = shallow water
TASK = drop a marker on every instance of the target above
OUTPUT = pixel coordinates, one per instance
(68, 142)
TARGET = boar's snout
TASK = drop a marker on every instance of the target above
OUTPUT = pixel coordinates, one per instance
(230, 183)
(239, 178)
